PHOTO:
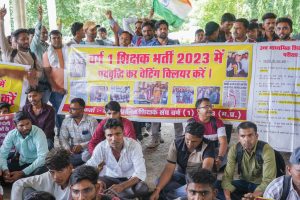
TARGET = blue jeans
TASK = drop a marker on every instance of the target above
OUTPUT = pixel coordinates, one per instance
(56, 99)
(175, 188)
(242, 187)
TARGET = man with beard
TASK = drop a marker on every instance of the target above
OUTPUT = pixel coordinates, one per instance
(78, 34)
(284, 28)
(56, 180)
(148, 38)
(31, 148)
(240, 29)
(20, 55)
(123, 162)
(90, 30)
(269, 21)
(76, 131)
(42, 115)
(254, 176)
(227, 21)
(54, 64)
(162, 31)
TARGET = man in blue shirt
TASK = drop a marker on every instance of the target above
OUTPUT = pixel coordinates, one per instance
(31, 148)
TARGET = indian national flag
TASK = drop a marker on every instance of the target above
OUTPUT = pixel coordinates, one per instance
(173, 11)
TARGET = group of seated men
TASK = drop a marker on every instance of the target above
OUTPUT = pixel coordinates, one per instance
(110, 151)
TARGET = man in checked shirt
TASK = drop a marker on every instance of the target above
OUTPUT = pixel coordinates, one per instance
(76, 131)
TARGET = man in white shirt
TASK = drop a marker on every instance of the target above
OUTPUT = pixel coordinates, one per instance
(122, 160)
(55, 181)
(76, 132)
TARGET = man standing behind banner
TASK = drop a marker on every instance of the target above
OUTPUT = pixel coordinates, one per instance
(54, 62)
(20, 55)
(162, 30)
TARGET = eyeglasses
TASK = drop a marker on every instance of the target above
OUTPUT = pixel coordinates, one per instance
(207, 106)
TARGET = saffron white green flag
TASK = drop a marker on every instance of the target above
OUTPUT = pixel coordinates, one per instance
(173, 11)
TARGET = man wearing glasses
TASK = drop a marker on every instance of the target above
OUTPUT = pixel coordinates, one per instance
(113, 111)
(214, 129)
(76, 132)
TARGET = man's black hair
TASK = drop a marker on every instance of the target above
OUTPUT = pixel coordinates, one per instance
(84, 172)
(228, 17)
(113, 123)
(112, 106)
(199, 31)
(286, 20)
(4, 105)
(201, 176)
(19, 116)
(39, 195)
(246, 125)
(253, 26)
(199, 101)
(55, 32)
(17, 32)
(148, 23)
(102, 29)
(76, 26)
(126, 32)
(244, 21)
(80, 101)
(195, 128)
(57, 159)
(161, 22)
(33, 89)
(31, 31)
(211, 27)
(268, 16)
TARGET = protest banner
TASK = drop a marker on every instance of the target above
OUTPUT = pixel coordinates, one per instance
(161, 83)
(275, 94)
(11, 86)
(6, 125)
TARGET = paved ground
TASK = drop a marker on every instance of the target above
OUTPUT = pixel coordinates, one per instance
(156, 158)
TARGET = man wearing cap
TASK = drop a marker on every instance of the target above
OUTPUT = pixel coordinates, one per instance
(42, 115)
(30, 144)
(90, 30)
(4, 108)
(275, 189)
(211, 32)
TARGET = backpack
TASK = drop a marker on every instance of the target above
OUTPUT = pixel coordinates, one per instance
(286, 187)
(14, 53)
(280, 164)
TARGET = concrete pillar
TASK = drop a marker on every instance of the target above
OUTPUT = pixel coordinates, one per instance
(19, 14)
(51, 7)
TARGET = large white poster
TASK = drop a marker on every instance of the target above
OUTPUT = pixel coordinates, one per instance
(274, 102)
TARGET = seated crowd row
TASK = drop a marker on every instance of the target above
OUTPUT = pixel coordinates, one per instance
(110, 149)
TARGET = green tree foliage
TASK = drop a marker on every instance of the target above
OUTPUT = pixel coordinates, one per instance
(212, 10)
(70, 11)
